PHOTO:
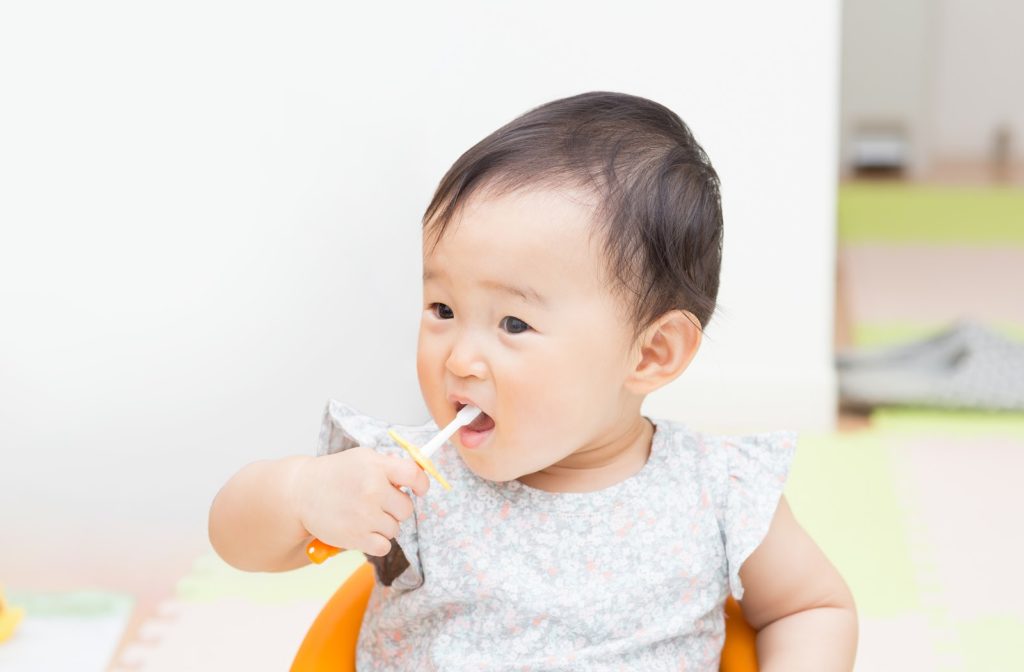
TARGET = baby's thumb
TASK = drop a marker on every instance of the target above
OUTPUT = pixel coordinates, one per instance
(403, 472)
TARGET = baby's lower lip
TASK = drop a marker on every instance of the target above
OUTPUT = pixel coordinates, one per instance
(471, 439)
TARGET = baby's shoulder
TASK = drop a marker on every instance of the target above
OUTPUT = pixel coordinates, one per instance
(709, 444)
(725, 458)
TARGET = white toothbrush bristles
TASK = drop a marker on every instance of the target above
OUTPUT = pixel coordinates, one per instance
(462, 418)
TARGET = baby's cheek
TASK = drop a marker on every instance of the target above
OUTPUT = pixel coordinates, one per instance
(541, 400)
(433, 395)
(429, 365)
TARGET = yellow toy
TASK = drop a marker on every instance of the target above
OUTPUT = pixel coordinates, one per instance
(9, 618)
(330, 643)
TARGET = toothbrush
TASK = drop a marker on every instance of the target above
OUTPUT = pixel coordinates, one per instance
(465, 416)
(318, 551)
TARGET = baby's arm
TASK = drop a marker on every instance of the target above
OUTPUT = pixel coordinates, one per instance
(253, 523)
(797, 601)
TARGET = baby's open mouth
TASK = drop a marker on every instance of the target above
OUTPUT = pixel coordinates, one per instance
(481, 423)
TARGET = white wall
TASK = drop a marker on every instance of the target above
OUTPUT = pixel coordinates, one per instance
(210, 220)
(947, 70)
(977, 84)
(886, 63)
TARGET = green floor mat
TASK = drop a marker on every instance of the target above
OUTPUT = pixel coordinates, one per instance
(211, 578)
(842, 491)
(897, 212)
(897, 333)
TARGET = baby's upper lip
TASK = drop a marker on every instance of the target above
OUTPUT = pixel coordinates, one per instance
(458, 399)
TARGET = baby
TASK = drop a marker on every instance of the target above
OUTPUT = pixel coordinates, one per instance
(570, 264)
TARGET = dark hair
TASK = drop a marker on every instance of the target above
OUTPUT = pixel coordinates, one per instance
(659, 203)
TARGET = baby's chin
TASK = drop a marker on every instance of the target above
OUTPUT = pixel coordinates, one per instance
(487, 469)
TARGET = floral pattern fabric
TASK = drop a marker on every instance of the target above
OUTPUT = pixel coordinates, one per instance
(502, 576)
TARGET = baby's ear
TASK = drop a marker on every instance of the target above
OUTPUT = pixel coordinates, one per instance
(664, 351)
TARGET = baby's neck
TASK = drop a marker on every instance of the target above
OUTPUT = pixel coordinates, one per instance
(600, 467)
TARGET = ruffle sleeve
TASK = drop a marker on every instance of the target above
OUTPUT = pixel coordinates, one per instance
(747, 477)
(343, 427)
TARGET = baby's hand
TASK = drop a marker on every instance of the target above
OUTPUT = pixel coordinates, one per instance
(351, 499)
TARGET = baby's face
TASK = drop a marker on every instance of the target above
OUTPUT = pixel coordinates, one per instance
(548, 369)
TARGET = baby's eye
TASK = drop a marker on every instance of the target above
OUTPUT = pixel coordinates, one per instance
(442, 306)
(517, 325)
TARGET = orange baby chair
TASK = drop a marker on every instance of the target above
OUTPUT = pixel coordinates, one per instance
(330, 644)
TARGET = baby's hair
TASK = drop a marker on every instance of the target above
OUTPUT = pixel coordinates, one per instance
(659, 203)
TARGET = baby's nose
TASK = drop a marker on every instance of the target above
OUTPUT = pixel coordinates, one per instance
(465, 360)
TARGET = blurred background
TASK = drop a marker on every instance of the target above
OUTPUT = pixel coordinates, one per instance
(210, 225)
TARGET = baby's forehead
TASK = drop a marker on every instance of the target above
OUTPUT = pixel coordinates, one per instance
(535, 222)
(543, 233)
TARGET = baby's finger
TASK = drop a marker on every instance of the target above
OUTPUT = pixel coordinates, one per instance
(421, 483)
(398, 505)
(386, 526)
(403, 472)
(377, 545)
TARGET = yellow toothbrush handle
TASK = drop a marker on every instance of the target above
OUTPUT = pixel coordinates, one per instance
(420, 459)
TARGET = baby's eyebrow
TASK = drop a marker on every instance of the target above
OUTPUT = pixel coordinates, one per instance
(528, 294)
